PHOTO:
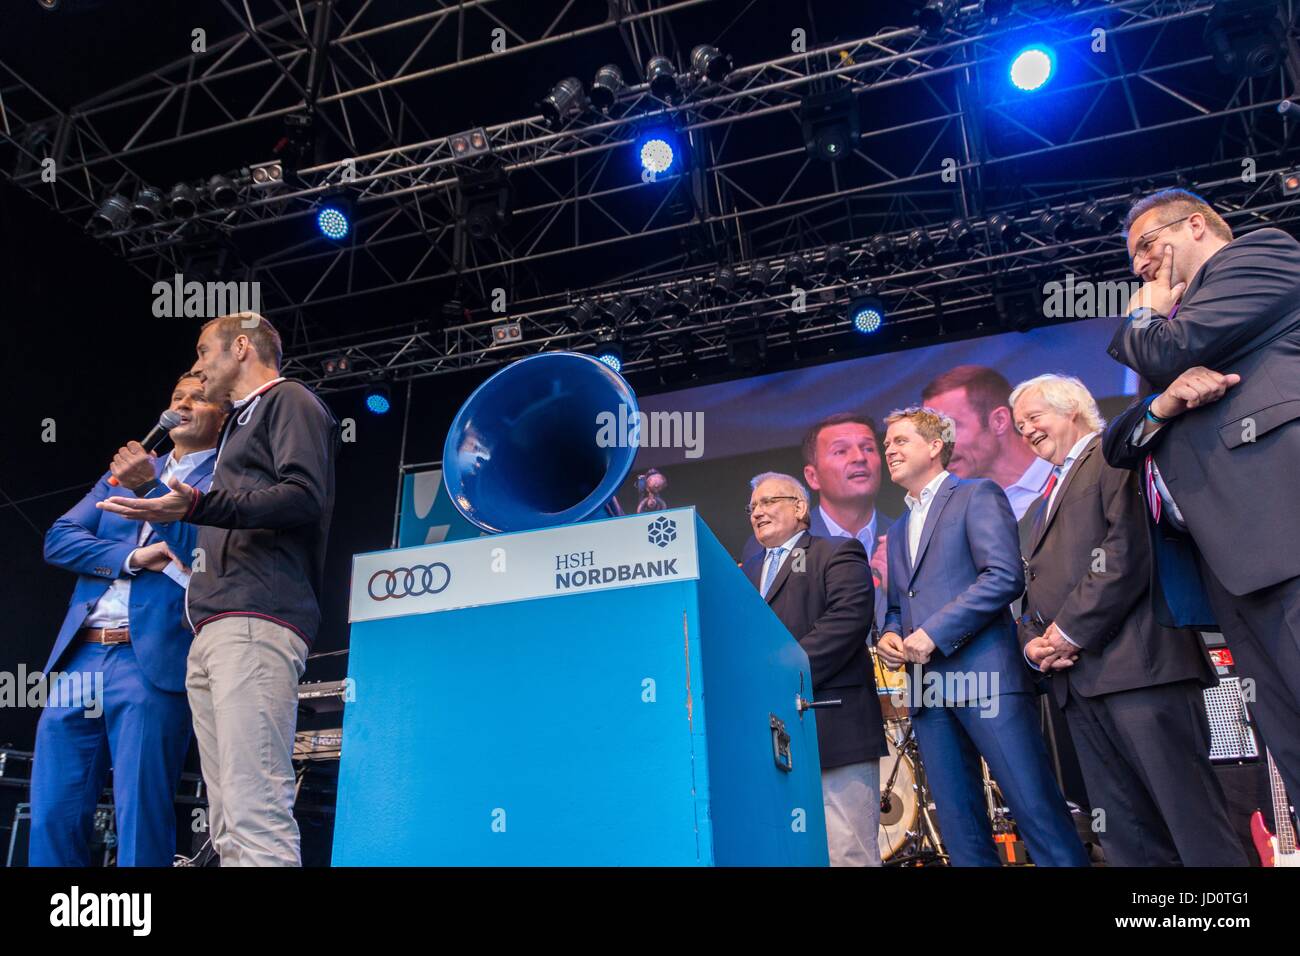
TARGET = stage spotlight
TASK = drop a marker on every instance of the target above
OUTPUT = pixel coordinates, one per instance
(610, 351)
(563, 101)
(687, 301)
(796, 271)
(606, 87)
(147, 207)
(662, 77)
(583, 316)
(507, 333)
(183, 201)
(1005, 230)
(934, 16)
(724, 284)
(836, 262)
(1245, 37)
(222, 192)
(881, 250)
(759, 279)
(1055, 226)
(959, 231)
(379, 399)
(866, 313)
(920, 245)
(1103, 218)
(618, 310)
(265, 176)
(484, 201)
(336, 365)
(1032, 67)
(830, 123)
(1290, 183)
(709, 62)
(112, 216)
(655, 303)
(470, 146)
(656, 152)
(334, 219)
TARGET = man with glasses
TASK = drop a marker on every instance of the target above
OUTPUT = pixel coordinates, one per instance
(1215, 331)
(821, 590)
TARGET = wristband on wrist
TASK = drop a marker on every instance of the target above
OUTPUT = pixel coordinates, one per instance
(1154, 418)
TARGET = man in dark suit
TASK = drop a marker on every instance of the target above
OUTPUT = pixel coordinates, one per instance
(1215, 330)
(1130, 689)
(841, 456)
(821, 590)
(954, 569)
(125, 631)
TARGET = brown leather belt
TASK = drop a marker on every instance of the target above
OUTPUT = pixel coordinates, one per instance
(104, 635)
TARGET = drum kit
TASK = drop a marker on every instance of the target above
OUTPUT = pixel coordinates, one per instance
(909, 825)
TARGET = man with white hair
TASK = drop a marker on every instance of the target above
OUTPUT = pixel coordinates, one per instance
(1130, 689)
(821, 589)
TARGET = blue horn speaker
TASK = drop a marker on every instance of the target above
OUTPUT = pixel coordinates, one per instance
(527, 450)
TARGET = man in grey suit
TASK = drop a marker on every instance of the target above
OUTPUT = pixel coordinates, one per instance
(1131, 690)
(1215, 329)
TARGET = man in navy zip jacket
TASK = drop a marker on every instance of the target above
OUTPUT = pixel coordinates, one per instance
(124, 641)
(256, 607)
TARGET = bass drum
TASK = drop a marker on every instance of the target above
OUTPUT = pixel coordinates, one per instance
(898, 824)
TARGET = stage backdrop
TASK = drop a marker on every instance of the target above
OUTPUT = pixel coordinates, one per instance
(745, 427)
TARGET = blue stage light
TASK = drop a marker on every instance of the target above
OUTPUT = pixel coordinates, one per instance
(867, 314)
(1032, 67)
(613, 358)
(378, 400)
(656, 153)
(333, 222)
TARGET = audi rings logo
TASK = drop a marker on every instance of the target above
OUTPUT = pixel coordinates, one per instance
(409, 582)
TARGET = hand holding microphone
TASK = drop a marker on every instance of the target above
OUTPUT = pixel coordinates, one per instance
(132, 466)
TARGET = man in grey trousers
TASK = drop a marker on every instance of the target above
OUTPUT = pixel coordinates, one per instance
(254, 595)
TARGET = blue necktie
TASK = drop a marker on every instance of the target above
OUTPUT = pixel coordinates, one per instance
(773, 565)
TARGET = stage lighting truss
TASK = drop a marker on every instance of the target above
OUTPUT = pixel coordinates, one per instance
(755, 197)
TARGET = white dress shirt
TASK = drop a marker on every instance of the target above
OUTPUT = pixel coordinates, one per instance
(788, 546)
(867, 535)
(1028, 488)
(1075, 451)
(113, 607)
(918, 508)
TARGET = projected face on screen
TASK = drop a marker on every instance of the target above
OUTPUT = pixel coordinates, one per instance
(847, 466)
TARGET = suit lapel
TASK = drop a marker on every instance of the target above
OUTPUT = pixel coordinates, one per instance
(931, 519)
(804, 540)
(202, 470)
(1065, 490)
(753, 569)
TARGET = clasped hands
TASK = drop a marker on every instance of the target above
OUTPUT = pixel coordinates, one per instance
(896, 651)
(1051, 651)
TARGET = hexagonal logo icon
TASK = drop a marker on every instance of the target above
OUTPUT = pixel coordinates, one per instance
(662, 531)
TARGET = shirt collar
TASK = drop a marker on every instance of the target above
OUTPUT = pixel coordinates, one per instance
(833, 530)
(256, 392)
(1076, 451)
(192, 460)
(928, 492)
(789, 545)
(1034, 478)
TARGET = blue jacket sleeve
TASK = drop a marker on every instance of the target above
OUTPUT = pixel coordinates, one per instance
(894, 606)
(1117, 440)
(181, 536)
(1000, 578)
(73, 542)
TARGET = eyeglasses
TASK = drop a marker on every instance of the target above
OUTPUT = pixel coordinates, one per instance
(1144, 240)
(766, 503)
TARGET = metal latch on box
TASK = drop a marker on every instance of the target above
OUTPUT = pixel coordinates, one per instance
(780, 744)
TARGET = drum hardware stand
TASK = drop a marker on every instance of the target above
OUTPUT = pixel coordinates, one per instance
(927, 847)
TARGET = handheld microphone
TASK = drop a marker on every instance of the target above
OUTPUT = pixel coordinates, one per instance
(166, 422)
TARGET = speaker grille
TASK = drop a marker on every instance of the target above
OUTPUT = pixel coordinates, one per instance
(1231, 736)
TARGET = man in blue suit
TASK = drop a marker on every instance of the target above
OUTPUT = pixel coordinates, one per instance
(125, 635)
(954, 569)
